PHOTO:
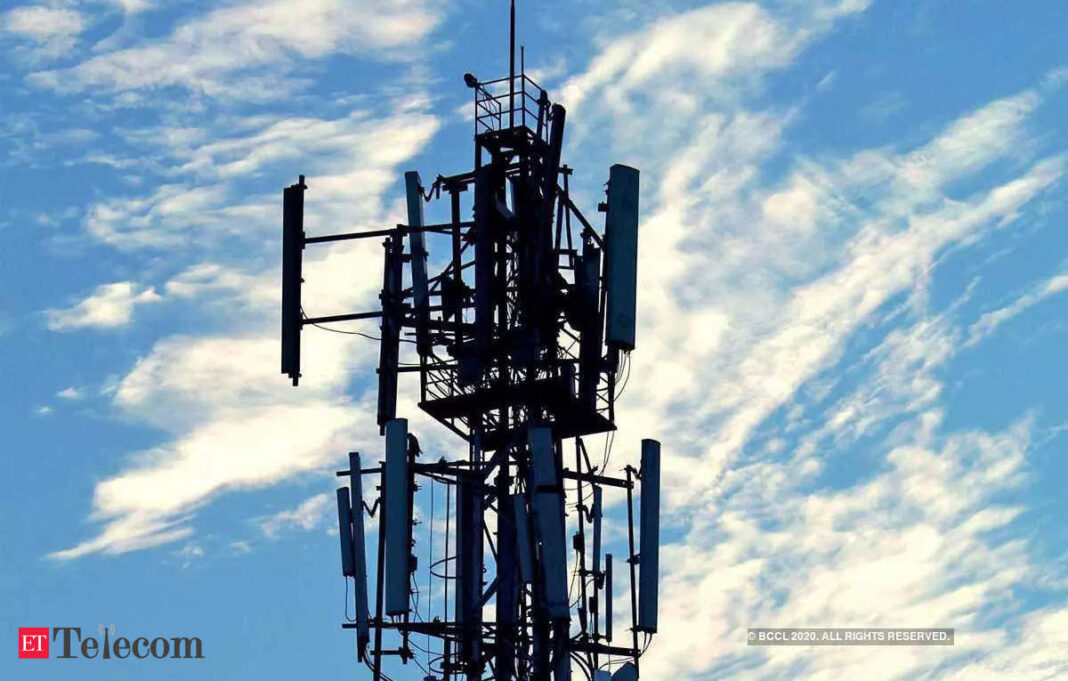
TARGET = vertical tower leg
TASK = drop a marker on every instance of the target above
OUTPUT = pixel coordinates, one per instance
(506, 578)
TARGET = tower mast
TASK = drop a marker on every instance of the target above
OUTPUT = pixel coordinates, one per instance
(519, 341)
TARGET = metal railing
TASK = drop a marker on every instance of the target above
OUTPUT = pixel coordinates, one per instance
(498, 107)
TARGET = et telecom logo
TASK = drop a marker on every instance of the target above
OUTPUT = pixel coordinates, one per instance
(33, 642)
(34, 645)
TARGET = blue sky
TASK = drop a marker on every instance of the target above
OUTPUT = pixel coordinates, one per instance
(854, 286)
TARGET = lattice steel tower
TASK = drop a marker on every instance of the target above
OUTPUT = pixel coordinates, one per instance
(519, 340)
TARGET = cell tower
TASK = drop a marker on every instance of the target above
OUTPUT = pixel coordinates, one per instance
(519, 341)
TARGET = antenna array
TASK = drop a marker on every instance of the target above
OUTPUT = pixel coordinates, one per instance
(519, 340)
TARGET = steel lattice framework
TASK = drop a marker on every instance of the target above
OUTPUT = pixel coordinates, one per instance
(520, 339)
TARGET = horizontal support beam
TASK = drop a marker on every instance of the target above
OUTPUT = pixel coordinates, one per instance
(347, 237)
(457, 468)
(598, 479)
(602, 649)
(444, 227)
(432, 628)
(363, 471)
(342, 317)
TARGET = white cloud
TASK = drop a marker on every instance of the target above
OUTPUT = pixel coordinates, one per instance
(109, 306)
(241, 547)
(233, 422)
(132, 532)
(44, 23)
(349, 162)
(306, 516)
(244, 49)
(71, 393)
(759, 287)
(687, 65)
(197, 281)
(911, 544)
(135, 6)
(149, 503)
(732, 39)
(53, 31)
(884, 107)
(188, 554)
(989, 322)
(904, 381)
(749, 292)
(35, 141)
(1034, 653)
(790, 297)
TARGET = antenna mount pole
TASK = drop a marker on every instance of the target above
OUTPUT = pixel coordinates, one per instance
(511, 68)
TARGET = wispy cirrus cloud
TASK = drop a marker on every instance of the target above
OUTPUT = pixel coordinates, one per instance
(305, 516)
(43, 23)
(990, 321)
(246, 50)
(221, 392)
(349, 157)
(753, 286)
(50, 31)
(109, 306)
(208, 182)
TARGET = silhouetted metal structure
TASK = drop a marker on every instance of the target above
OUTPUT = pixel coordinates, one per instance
(519, 341)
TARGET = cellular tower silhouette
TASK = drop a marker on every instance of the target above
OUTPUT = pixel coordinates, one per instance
(520, 339)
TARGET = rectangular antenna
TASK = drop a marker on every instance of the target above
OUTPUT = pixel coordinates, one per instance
(522, 539)
(587, 280)
(344, 530)
(417, 246)
(595, 512)
(552, 165)
(608, 597)
(398, 520)
(628, 672)
(649, 548)
(389, 347)
(292, 253)
(621, 236)
(469, 567)
(359, 564)
(548, 502)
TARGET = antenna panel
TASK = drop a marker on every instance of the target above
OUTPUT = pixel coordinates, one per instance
(344, 530)
(292, 254)
(398, 517)
(621, 235)
(549, 521)
(649, 551)
(587, 277)
(608, 597)
(522, 539)
(389, 347)
(595, 512)
(417, 247)
(359, 556)
(627, 672)
(469, 567)
(552, 167)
